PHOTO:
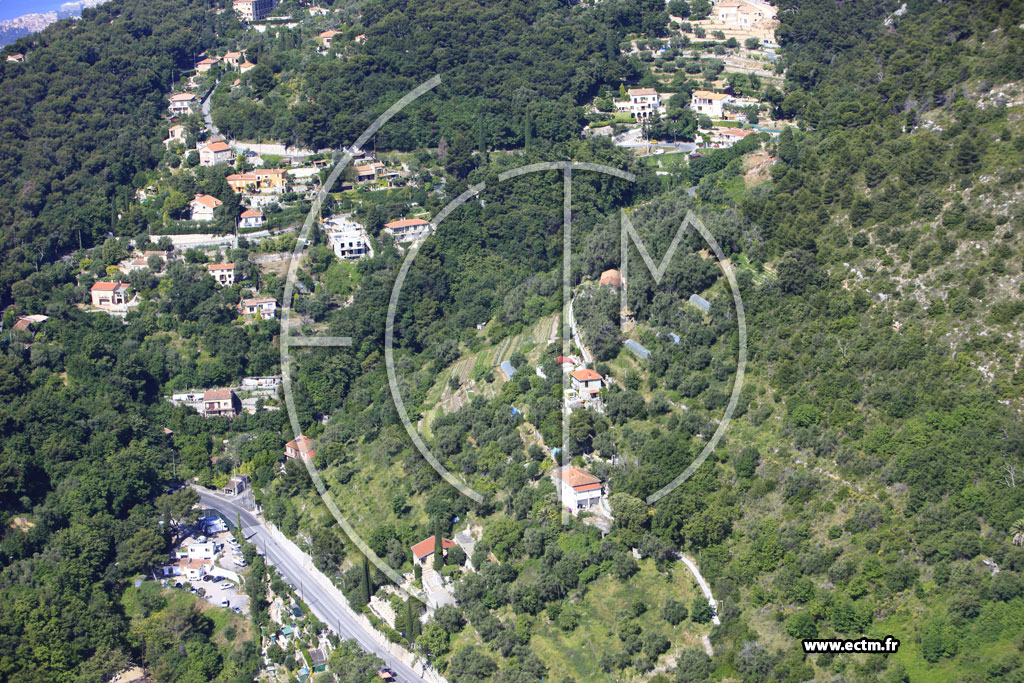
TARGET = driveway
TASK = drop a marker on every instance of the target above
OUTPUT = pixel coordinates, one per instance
(437, 594)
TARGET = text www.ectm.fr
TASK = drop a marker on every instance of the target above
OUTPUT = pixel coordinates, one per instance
(886, 645)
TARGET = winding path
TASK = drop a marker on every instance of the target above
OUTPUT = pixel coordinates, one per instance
(702, 582)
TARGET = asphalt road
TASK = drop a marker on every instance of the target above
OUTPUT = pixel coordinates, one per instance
(293, 568)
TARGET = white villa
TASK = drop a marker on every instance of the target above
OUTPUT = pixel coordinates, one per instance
(182, 103)
(251, 218)
(642, 103)
(710, 103)
(223, 273)
(216, 153)
(580, 490)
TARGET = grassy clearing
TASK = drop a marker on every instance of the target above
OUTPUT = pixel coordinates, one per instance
(576, 653)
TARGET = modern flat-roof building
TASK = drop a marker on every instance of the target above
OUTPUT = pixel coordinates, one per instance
(253, 10)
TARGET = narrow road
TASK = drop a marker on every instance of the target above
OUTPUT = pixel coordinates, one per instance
(706, 589)
(296, 568)
(258, 147)
(702, 582)
(576, 337)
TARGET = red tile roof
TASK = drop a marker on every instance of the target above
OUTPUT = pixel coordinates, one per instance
(580, 479)
(426, 547)
(303, 444)
(221, 266)
(108, 286)
(406, 223)
(207, 200)
(217, 395)
(611, 277)
(585, 375)
(219, 146)
(252, 213)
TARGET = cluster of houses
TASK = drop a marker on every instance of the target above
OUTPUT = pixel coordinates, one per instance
(231, 60)
(203, 209)
(740, 19)
(224, 401)
(643, 103)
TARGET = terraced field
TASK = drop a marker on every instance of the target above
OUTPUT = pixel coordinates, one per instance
(530, 342)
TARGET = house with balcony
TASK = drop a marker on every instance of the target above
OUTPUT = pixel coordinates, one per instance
(182, 103)
(223, 273)
(263, 309)
(348, 240)
(710, 103)
(221, 403)
(109, 295)
(218, 152)
(408, 229)
(251, 218)
(640, 103)
(579, 489)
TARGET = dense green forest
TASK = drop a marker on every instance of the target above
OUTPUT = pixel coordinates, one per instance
(510, 72)
(869, 484)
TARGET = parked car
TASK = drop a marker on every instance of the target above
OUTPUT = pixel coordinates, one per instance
(236, 610)
(224, 603)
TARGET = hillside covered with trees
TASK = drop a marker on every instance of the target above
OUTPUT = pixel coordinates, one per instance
(871, 482)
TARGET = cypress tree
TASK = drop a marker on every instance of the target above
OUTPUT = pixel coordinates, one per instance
(412, 622)
(364, 583)
(438, 548)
